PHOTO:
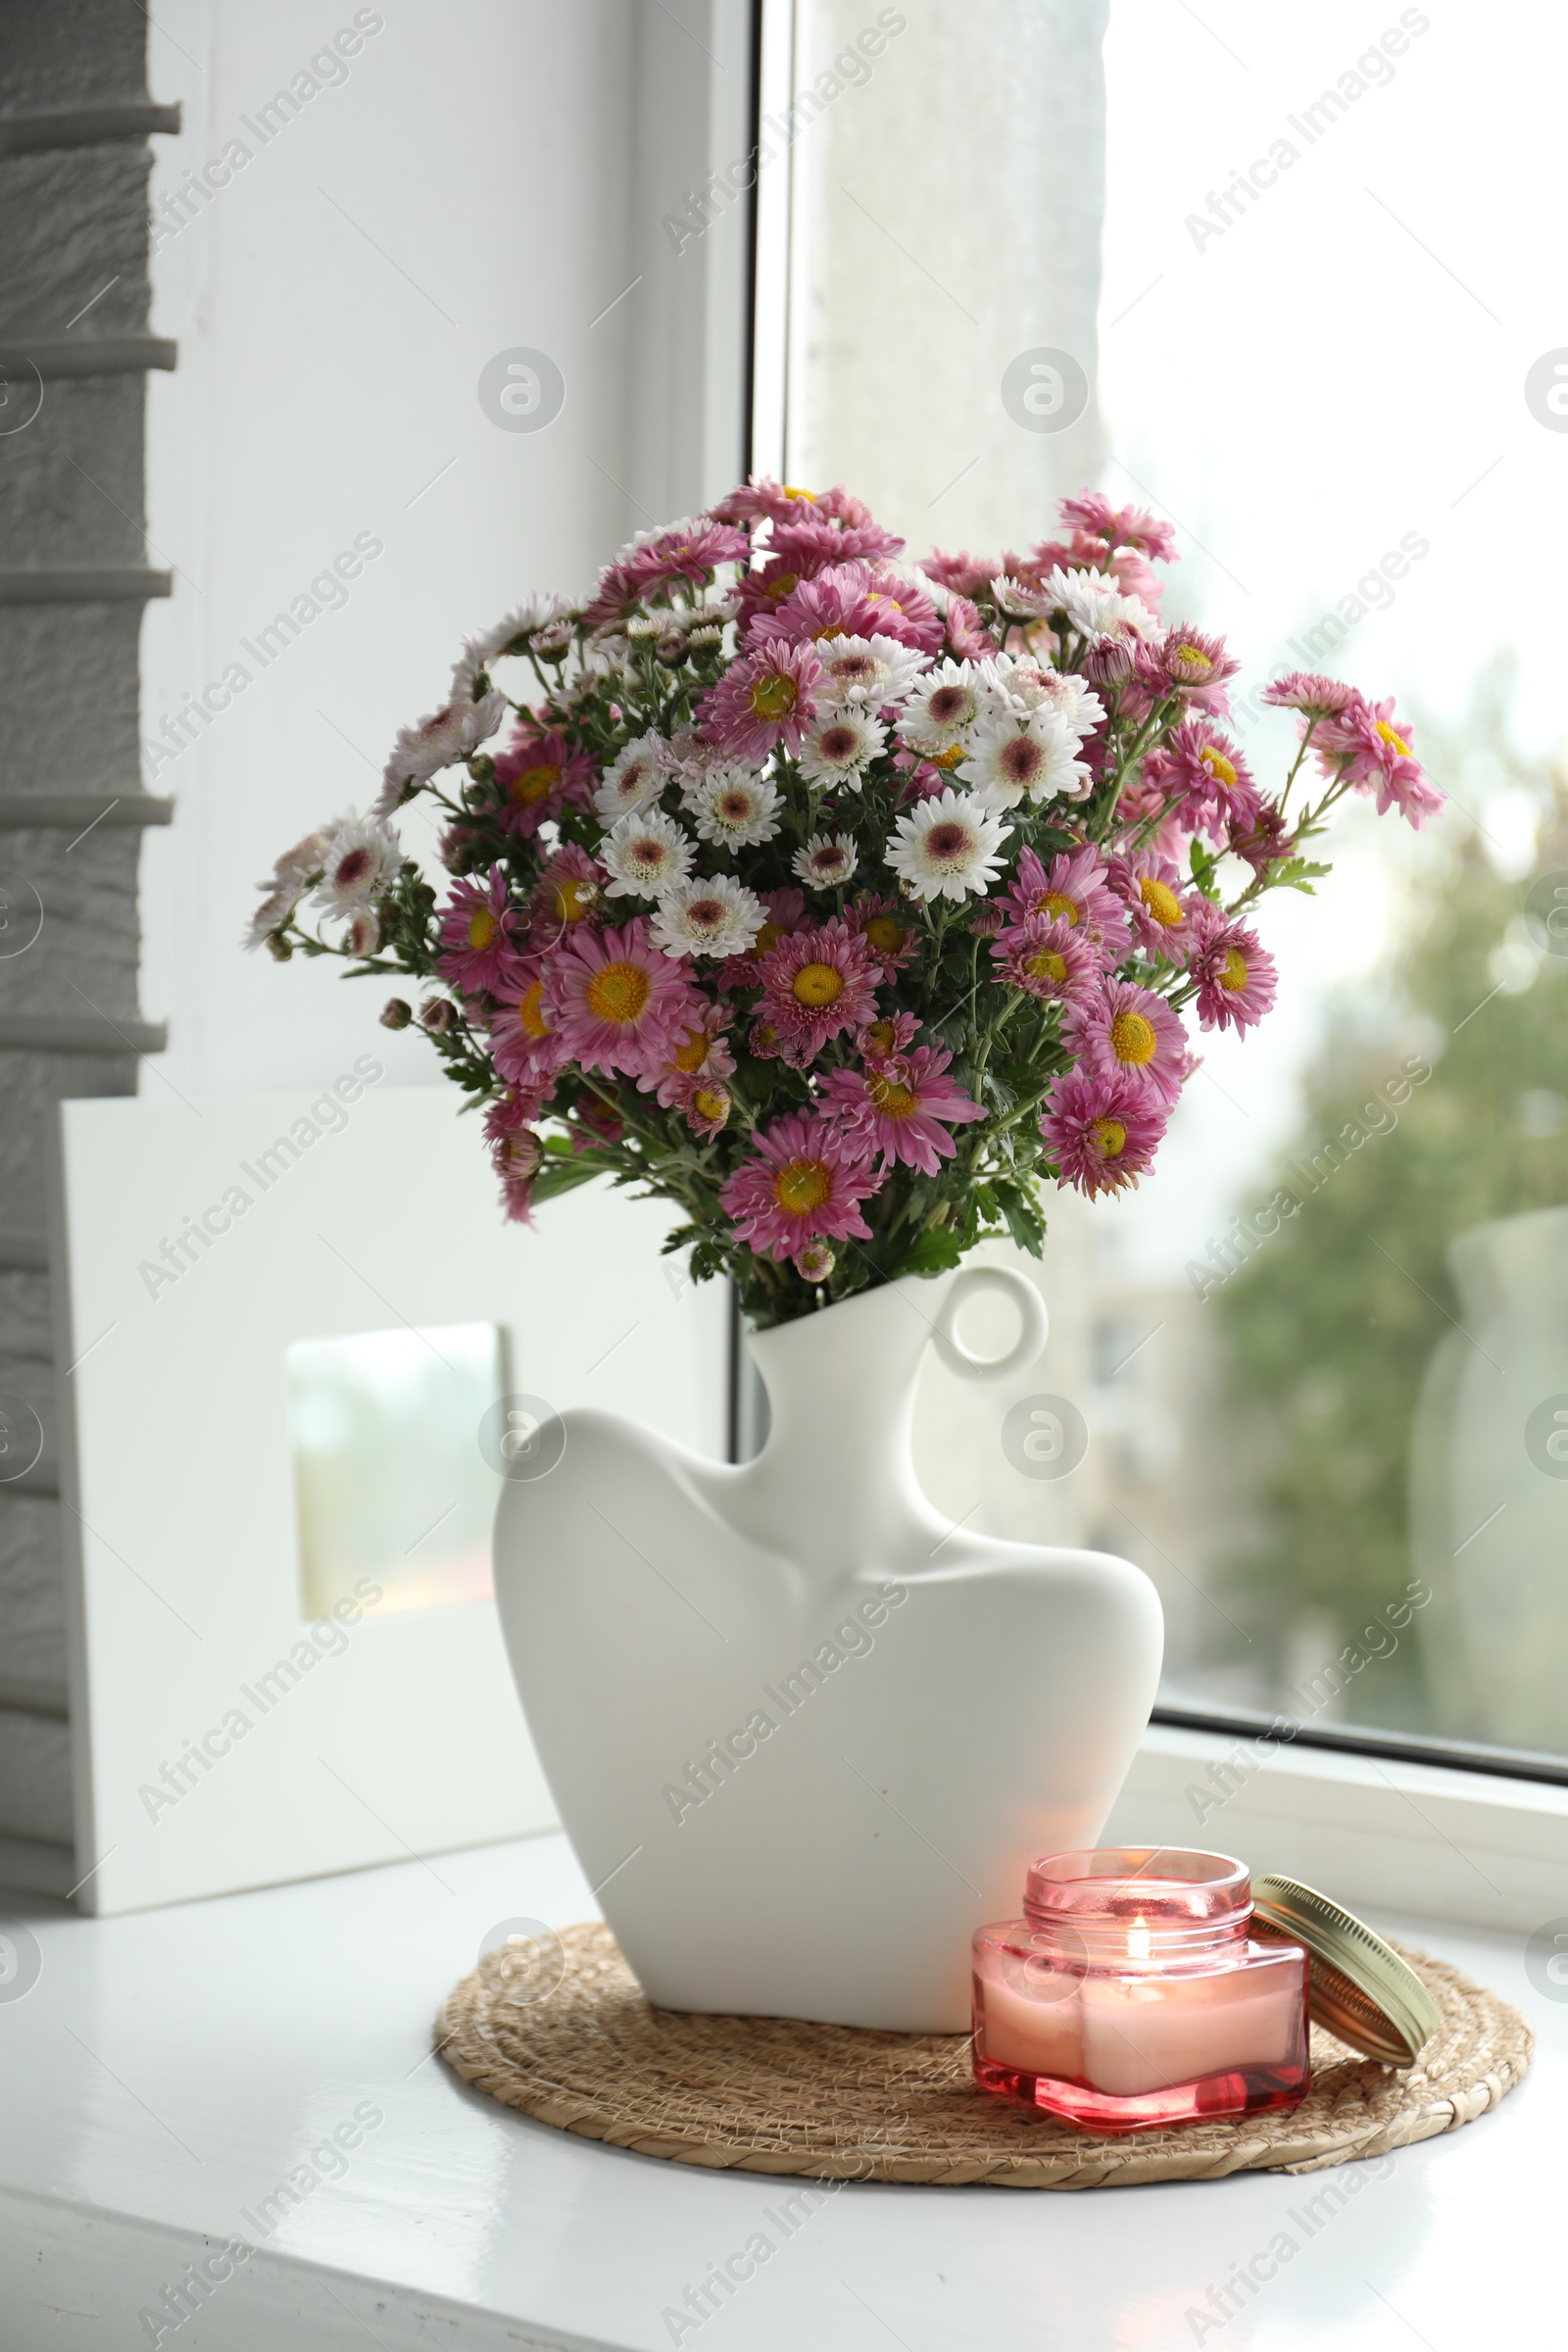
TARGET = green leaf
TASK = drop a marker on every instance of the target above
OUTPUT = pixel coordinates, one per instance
(937, 1249)
(1298, 874)
(564, 1177)
(1024, 1221)
(1203, 862)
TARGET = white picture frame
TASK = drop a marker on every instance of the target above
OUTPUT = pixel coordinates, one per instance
(188, 1250)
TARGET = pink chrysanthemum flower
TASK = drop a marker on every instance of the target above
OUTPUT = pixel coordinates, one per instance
(701, 1052)
(1367, 747)
(968, 638)
(804, 1185)
(1102, 1132)
(1076, 887)
(962, 573)
(810, 540)
(570, 891)
(525, 1044)
(539, 774)
(1311, 693)
(1265, 842)
(829, 605)
(817, 984)
(1048, 959)
(894, 1033)
(1159, 909)
(762, 495)
(898, 609)
(903, 1104)
(704, 1104)
(516, 1153)
(1121, 527)
(477, 924)
(786, 912)
(688, 552)
(1235, 974)
(616, 1001)
(763, 699)
(1195, 666)
(1130, 1032)
(880, 924)
(1203, 776)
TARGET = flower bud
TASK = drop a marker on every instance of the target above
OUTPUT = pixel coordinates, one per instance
(396, 1015)
(438, 1015)
(277, 947)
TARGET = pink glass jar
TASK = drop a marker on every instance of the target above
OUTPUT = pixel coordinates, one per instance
(1132, 1994)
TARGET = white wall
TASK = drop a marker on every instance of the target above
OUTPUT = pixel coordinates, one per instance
(488, 175)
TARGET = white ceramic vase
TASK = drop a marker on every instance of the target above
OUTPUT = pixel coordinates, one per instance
(804, 1734)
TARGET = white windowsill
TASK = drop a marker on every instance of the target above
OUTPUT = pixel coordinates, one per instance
(1447, 1844)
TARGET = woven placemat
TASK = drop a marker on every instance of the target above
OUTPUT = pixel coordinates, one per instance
(589, 2053)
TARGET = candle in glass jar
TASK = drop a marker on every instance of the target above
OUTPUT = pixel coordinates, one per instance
(1131, 1993)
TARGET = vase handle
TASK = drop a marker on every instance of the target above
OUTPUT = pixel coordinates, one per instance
(1031, 1316)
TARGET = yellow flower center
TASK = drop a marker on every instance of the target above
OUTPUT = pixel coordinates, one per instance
(1392, 735)
(800, 1186)
(618, 993)
(1161, 902)
(948, 758)
(1218, 767)
(773, 696)
(1132, 1038)
(888, 937)
(572, 900)
(709, 1104)
(822, 636)
(1192, 657)
(1056, 904)
(1047, 965)
(1232, 972)
(534, 783)
(693, 1052)
(894, 1101)
(531, 1017)
(817, 984)
(482, 928)
(780, 584)
(879, 1038)
(790, 492)
(1109, 1137)
(769, 937)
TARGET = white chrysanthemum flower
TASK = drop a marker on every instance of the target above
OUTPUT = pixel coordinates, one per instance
(1017, 684)
(827, 860)
(361, 859)
(535, 611)
(945, 708)
(710, 915)
(948, 847)
(733, 805)
(868, 671)
(452, 733)
(836, 749)
(1038, 762)
(636, 776)
(940, 596)
(1093, 602)
(645, 853)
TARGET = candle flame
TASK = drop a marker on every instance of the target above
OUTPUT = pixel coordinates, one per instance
(1139, 1941)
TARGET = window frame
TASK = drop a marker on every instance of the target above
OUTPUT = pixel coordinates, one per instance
(1329, 1781)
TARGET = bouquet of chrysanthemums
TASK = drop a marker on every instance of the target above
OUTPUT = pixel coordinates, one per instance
(840, 901)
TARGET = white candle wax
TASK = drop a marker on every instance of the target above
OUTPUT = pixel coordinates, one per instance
(1145, 2033)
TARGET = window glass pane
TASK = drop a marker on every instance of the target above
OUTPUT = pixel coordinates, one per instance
(1322, 1353)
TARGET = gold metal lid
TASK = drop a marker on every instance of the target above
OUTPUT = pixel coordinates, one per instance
(1359, 1989)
